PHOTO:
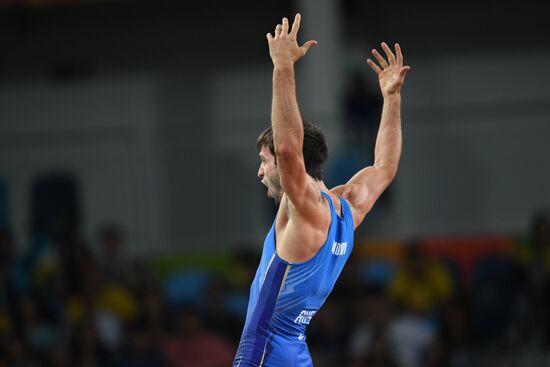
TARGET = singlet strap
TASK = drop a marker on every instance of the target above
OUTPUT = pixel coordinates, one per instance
(327, 196)
(333, 208)
(346, 211)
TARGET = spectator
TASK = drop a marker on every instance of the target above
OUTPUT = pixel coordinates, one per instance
(373, 314)
(379, 353)
(452, 348)
(18, 354)
(192, 345)
(541, 270)
(420, 288)
(329, 334)
(113, 261)
(86, 347)
(421, 285)
(533, 319)
(141, 349)
(217, 310)
(362, 108)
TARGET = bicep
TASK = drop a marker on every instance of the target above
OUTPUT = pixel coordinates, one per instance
(363, 190)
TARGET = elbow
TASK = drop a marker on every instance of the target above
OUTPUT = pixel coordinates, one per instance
(287, 151)
(389, 173)
(392, 173)
(388, 166)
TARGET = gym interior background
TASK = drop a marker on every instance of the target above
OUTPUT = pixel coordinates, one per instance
(131, 217)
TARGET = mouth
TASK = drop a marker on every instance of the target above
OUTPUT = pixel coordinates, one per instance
(268, 193)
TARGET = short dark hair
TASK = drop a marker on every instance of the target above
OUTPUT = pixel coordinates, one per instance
(314, 150)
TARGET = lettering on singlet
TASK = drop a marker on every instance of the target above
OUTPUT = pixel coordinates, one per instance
(305, 317)
(339, 248)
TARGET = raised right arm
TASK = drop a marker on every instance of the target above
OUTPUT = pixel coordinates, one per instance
(286, 121)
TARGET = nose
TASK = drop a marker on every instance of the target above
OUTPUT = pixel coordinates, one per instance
(261, 172)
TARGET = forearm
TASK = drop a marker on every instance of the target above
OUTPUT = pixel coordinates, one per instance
(285, 114)
(389, 140)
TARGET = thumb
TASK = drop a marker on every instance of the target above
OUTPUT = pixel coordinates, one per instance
(306, 46)
(404, 71)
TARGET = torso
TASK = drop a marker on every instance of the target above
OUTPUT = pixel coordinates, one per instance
(285, 296)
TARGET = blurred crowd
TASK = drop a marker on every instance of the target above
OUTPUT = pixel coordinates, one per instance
(65, 301)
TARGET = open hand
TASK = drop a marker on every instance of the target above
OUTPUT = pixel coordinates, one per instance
(391, 73)
(283, 46)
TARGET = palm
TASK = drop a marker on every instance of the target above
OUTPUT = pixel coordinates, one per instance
(391, 72)
(391, 80)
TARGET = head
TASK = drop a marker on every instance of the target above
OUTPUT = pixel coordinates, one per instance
(415, 260)
(540, 228)
(111, 239)
(314, 150)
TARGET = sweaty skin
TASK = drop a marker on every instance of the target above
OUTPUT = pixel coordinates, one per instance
(304, 215)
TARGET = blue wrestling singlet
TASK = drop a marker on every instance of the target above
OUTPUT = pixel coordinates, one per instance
(284, 297)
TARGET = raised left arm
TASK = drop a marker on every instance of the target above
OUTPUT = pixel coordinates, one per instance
(366, 186)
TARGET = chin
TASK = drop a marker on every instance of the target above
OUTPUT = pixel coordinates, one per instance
(277, 199)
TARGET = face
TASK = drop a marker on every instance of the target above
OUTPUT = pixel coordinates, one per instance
(269, 175)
